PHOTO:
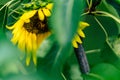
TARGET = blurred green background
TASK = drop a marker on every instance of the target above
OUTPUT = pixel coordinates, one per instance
(56, 56)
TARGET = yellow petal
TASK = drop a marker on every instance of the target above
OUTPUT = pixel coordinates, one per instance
(41, 15)
(8, 27)
(81, 33)
(46, 12)
(39, 39)
(28, 15)
(34, 44)
(14, 39)
(21, 41)
(49, 6)
(28, 56)
(28, 42)
(74, 43)
(16, 36)
(27, 20)
(28, 47)
(17, 26)
(83, 25)
(77, 39)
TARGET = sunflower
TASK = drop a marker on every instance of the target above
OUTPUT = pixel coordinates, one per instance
(30, 30)
(79, 35)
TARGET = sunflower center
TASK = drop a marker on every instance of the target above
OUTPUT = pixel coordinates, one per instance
(36, 26)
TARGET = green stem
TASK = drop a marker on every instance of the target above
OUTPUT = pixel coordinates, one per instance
(106, 34)
(93, 51)
(63, 76)
(90, 4)
(15, 10)
(87, 2)
(103, 13)
(85, 13)
(33, 0)
(13, 4)
(95, 75)
(7, 4)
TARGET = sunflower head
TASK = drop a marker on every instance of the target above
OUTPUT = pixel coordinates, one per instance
(80, 34)
(31, 28)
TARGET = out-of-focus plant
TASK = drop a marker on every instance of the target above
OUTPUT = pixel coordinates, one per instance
(39, 39)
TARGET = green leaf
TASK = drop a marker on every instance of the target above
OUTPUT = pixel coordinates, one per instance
(94, 57)
(115, 4)
(108, 54)
(92, 32)
(65, 18)
(3, 2)
(71, 69)
(9, 55)
(75, 73)
(112, 10)
(107, 71)
(7, 49)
